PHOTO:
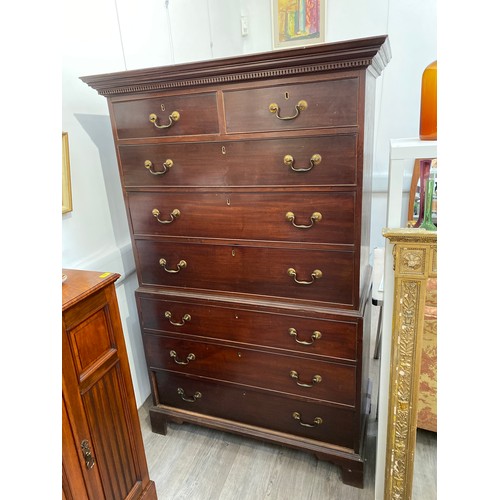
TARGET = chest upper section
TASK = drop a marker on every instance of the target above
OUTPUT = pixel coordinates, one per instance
(320, 88)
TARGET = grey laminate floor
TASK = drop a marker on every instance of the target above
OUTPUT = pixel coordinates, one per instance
(196, 463)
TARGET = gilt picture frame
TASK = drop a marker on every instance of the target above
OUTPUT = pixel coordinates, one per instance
(298, 23)
(67, 201)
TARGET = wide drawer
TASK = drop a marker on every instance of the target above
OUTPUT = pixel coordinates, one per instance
(291, 216)
(305, 335)
(270, 411)
(289, 374)
(197, 114)
(327, 104)
(327, 160)
(317, 275)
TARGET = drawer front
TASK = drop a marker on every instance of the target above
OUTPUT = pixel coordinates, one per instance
(285, 162)
(247, 269)
(332, 103)
(293, 375)
(271, 411)
(197, 114)
(335, 339)
(292, 216)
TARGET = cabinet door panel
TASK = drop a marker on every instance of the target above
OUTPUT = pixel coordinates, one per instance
(107, 416)
(76, 478)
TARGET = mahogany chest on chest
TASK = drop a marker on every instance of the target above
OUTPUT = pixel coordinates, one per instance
(247, 183)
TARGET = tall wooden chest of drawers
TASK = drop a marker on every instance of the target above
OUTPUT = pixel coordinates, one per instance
(247, 183)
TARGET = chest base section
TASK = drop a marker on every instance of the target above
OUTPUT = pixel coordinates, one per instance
(291, 377)
(352, 465)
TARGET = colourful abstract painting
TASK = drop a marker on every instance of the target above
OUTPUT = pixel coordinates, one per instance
(298, 22)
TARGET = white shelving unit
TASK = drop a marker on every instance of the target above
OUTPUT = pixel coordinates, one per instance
(403, 153)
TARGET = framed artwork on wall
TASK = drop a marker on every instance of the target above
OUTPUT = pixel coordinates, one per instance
(298, 22)
(67, 203)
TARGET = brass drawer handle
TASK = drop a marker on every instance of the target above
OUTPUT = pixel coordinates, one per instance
(190, 357)
(317, 420)
(196, 395)
(315, 275)
(87, 454)
(300, 106)
(315, 217)
(167, 164)
(173, 117)
(181, 265)
(173, 215)
(315, 336)
(185, 318)
(315, 380)
(289, 161)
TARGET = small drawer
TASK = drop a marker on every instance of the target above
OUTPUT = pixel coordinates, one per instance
(328, 104)
(176, 115)
(289, 162)
(266, 410)
(292, 216)
(304, 335)
(317, 275)
(298, 376)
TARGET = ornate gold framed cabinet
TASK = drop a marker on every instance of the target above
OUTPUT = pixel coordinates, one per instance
(415, 260)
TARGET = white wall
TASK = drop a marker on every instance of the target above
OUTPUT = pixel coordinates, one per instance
(102, 36)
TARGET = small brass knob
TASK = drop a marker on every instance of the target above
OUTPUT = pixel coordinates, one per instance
(316, 159)
(273, 107)
(302, 105)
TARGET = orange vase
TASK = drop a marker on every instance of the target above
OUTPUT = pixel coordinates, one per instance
(428, 104)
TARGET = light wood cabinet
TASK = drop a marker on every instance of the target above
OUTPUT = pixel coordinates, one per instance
(102, 449)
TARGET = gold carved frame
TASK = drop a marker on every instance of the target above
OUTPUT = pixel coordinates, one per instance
(67, 202)
(415, 260)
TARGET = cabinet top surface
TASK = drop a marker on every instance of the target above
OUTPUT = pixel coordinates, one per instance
(373, 53)
(79, 284)
(410, 235)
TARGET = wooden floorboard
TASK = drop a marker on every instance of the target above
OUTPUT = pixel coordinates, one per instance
(197, 463)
